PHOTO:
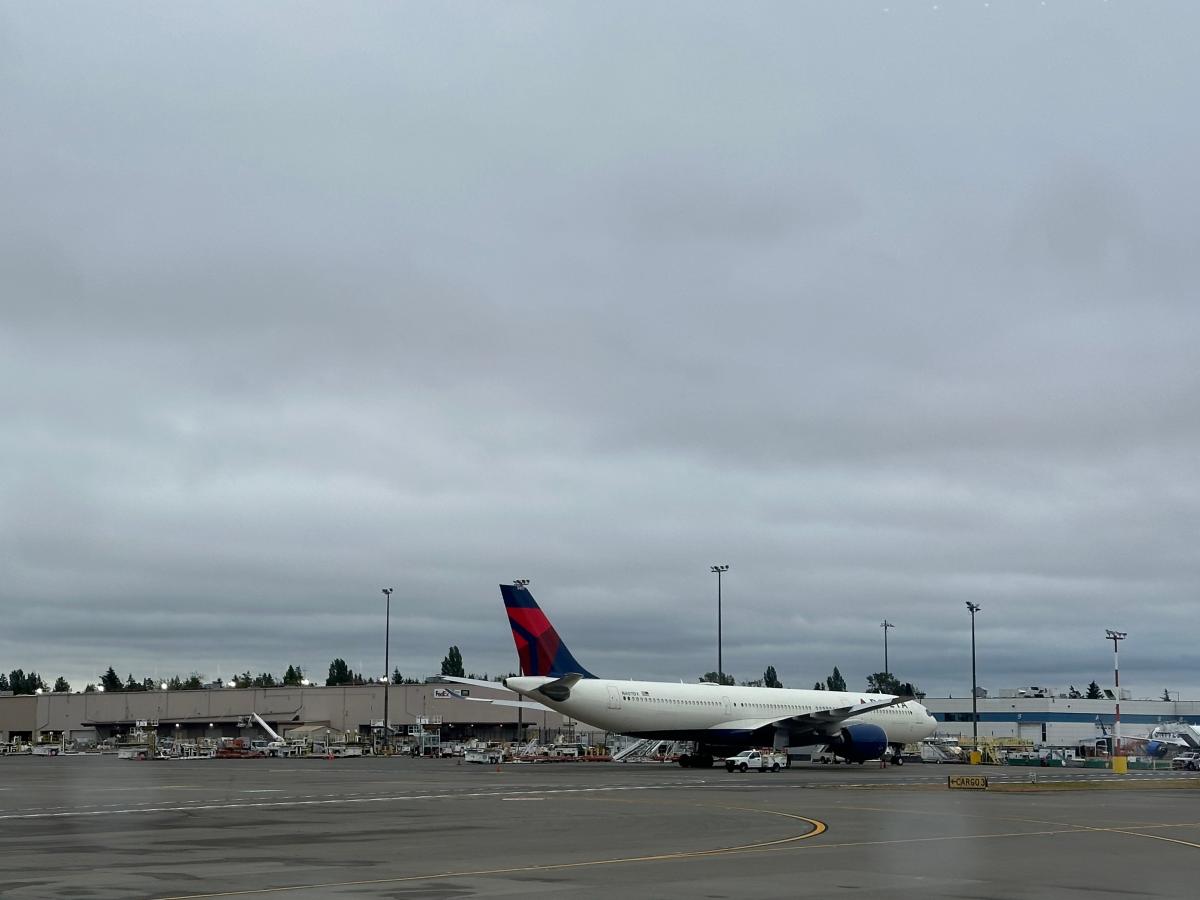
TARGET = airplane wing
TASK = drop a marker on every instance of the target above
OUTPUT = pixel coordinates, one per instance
(840, 713)
(469, 682)
(819, 724)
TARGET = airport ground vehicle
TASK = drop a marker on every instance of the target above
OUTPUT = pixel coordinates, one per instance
(1189, 761)
(762, 760)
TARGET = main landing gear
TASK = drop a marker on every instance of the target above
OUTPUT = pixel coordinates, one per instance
(701, 759)
(897, 756)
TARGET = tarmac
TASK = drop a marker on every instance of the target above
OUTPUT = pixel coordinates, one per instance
(373, 828)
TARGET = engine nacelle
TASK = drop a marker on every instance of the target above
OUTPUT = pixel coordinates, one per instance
(1157, 749)
(858, 743)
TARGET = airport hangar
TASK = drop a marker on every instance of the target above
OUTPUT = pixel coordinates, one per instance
(216, 712)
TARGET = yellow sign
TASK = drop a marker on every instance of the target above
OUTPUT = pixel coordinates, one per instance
(967, 782)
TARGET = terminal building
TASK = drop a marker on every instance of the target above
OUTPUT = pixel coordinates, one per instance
(1047, 718)
(348, 712)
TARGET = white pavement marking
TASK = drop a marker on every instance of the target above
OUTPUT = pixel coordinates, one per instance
(279, 803)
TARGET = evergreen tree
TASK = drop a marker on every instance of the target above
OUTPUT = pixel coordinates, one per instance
(61, 685)
(770, 679)
(339, 673)
(4, 686)
(887, 683)
(883, 683)
(90, 689)
(835, 682)
(1166, 695)
(194, 682)
(818, 686)
(713, 678)
(397, 678)
(131, 685)
(111, 681)
(175, 683)
(264, 680)
(452, 664)
(293, 676)
(1094, 692)
(21, 683)
(1074, 693)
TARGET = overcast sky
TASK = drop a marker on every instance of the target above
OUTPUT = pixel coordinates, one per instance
(889, 306)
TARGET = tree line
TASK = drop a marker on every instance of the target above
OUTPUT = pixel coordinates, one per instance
(878, 683)
(19, 681)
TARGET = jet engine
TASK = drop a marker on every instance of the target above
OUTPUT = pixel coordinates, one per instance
(858, 743)
(1157, 749)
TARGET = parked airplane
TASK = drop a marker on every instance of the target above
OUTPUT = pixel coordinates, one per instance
(718, 718)
(1169, 738)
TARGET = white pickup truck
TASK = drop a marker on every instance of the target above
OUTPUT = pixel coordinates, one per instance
(763, 760)
(1186, 761)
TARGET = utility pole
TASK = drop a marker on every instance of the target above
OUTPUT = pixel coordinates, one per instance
(1116, 636)
(974, 608)
(719, 571)
(387, 671)
(885, 625)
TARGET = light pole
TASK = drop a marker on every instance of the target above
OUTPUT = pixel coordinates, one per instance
(520, 584)
(885, 625)
(387, 669)
(719, 571)
(1116, 636)
(974, 608)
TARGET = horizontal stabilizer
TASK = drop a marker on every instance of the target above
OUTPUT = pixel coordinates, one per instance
(560, 689)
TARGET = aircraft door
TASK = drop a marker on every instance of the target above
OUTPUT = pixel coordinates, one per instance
(614, 697)
(727, 706)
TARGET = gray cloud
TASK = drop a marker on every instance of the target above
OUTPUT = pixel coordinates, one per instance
(889, 311)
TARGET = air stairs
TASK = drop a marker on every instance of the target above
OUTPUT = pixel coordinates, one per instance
(646, 750)
(938, 752)
(529, 749)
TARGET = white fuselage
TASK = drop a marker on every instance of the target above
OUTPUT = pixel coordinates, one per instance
(665, 709)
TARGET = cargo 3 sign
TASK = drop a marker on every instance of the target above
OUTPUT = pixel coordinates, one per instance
(967, 782)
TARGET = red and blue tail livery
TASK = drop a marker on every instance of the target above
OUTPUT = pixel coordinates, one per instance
(539, 647)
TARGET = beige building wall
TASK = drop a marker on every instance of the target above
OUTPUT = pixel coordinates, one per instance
(18, 718)
(347, 709)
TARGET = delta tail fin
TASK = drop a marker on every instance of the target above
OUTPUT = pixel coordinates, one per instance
(539, 647)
